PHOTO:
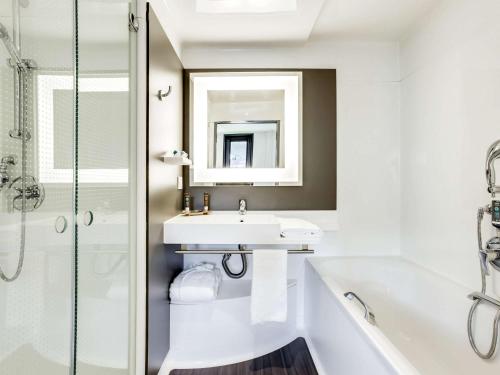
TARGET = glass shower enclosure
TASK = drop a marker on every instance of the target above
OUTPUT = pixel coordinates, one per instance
(67, 177)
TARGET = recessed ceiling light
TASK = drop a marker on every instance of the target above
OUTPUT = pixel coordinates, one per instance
(245, 6)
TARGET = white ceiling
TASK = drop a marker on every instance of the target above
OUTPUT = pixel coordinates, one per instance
(104, 21)
(197, 27)
(370, 19)
(313, 20)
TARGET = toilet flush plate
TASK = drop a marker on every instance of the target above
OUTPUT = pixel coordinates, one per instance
(223, 228)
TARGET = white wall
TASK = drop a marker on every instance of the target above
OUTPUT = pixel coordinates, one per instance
(367, 125)
(450, 114)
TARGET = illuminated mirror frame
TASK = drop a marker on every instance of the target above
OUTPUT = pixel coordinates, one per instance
(202, 83)
(47, 83)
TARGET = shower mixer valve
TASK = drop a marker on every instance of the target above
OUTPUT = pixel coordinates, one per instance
(4, 169)
(30, 194)
(495, 213)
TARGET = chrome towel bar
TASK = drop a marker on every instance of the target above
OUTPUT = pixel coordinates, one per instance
(236, 251)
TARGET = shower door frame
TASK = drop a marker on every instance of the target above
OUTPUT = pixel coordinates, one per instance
(135, 183)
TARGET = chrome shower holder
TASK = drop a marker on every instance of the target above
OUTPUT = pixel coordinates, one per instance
(22, 64)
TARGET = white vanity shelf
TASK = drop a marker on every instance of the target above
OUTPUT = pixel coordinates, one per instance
(209, 234)
(234, 289)
(176, 160)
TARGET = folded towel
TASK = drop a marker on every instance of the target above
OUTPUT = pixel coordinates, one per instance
(197, 284)
(298, 229)
(269, 286)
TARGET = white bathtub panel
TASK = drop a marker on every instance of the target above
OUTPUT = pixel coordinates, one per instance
(340, 346)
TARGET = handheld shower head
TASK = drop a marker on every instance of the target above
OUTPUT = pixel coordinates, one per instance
(4, 34)
(492, 155)
(490, 172)
(11, 48)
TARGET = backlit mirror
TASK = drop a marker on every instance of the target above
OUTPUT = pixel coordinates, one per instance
(246, 128)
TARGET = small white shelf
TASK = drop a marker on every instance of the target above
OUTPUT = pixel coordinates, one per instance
(176, 160)
(234, 289)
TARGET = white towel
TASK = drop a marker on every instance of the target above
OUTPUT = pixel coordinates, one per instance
(269, 286)
(297, 229)
(197, 284)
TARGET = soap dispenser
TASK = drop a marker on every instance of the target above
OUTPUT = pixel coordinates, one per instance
(187, 203)
(206, 203)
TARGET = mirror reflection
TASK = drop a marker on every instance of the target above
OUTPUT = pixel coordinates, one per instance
(245, 128)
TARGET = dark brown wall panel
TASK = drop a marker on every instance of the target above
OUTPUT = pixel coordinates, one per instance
(164, 128)
(319, 153)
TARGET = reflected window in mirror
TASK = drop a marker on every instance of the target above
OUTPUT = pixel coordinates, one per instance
(260, 141)
(238, 151)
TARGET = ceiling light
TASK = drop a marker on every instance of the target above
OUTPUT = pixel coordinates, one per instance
(245, 6)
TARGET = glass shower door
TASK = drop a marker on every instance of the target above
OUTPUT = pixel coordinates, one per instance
(36, 186)
(66, 187)
(104, 193)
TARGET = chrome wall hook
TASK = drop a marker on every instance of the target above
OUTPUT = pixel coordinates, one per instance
(161, 94)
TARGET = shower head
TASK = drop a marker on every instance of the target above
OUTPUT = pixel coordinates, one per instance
(24, 3)
(4, 34)
(492, 155)
(11, 48)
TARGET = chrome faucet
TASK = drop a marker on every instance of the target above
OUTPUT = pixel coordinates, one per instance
(4, 169)
(243, 207)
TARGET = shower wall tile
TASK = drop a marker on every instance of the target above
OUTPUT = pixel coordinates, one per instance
(450, 87)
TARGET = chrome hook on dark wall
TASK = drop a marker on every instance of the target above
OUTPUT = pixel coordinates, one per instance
(162, 94)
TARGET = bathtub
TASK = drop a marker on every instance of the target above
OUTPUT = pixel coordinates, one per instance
(420, 319)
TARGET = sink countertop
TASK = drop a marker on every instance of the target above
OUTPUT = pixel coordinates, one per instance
(229, 228)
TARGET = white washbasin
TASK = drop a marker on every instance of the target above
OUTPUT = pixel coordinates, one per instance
(223, 228)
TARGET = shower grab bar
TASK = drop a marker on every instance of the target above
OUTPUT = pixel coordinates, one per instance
(369, 315)
(483, 297)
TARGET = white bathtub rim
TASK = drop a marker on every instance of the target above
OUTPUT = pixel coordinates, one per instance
(390, 352)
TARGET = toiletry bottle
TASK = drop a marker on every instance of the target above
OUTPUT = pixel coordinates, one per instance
(206, 199)
(187, 203)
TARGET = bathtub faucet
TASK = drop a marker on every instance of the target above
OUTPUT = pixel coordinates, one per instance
(488, 254)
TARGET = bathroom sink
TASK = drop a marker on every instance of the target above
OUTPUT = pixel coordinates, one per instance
(223, 228)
